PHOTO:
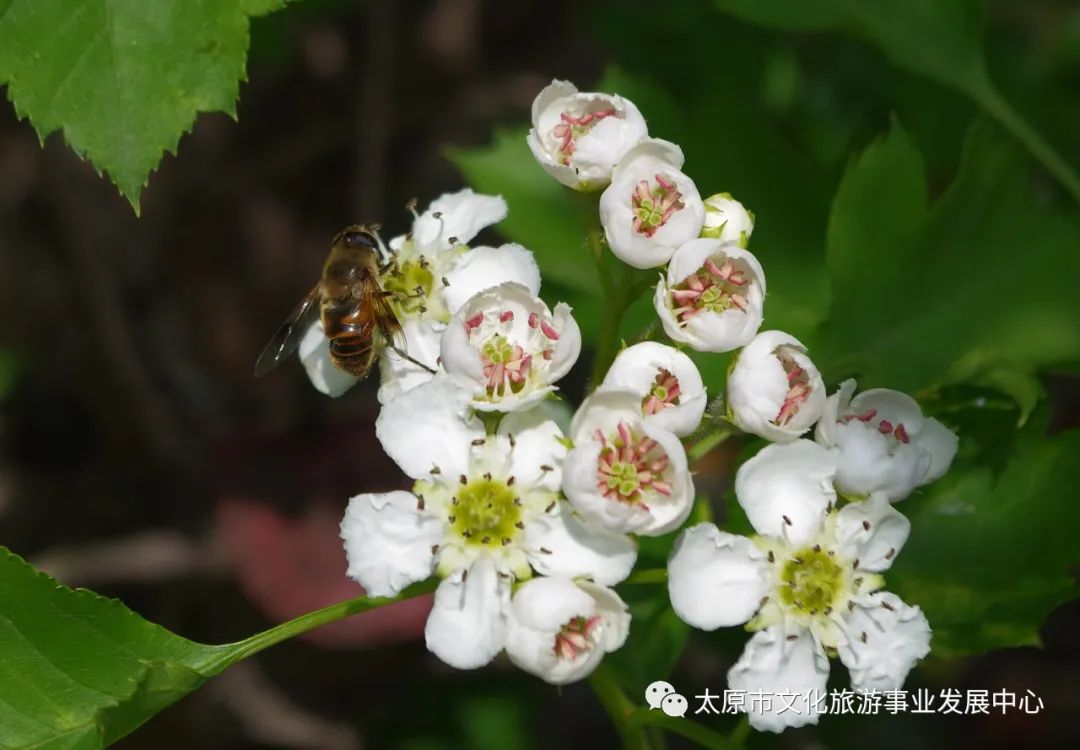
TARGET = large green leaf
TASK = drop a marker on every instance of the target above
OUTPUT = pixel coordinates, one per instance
(980, 288)
(78, 670)
(988, 558)
(124, 79)
(939, 39)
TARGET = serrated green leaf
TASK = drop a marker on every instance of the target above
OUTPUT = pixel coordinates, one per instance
(980, 288)
(124, 79)
(988, 558)
(939, 39)
(78, 670)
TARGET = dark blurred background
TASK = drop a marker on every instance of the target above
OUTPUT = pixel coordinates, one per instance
(139, 456)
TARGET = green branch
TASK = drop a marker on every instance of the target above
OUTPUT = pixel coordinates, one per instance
(230, 654)
(691, 730)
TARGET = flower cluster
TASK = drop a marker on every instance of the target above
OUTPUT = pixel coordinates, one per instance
(529, 516)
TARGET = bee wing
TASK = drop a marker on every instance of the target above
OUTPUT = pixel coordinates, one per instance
(383, 315)
(289, 335)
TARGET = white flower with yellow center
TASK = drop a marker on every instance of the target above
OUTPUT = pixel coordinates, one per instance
(651, 207)
(559, 629)
(774, 390)
(484, 512)
(712, 296)
(508, 349)
(882, 442)
(808, 586)
(626, 473)
(578, 137)
(668, 382)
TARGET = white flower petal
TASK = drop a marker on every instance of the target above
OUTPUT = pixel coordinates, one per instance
(398, 375)
(615, 614)
(484, 267)
(429, 427)
(538, 443)
(894, 406)
(455, 218)
(560, 544)
(941, 443)
(836, 406)
(715, 579)
(637, 368)
(897, 636)
(868, 461)
(314, 352)
(388, 541)
(776, 665)
(469, 619)
(871, 531)
(786, 488)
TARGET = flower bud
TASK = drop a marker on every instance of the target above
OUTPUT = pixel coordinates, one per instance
(727, 220)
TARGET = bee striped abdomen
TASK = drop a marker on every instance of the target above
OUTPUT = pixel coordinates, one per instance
(353, 352)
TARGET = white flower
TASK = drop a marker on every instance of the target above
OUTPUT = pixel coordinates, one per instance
(801, 598)
(425, 261)
(578, 137)
(560, 629)
(774, 390)
(484, 511)
(883, 443)
(651, 207)
(625, 473)
(667, 382)
(726, 220)
(712, 296)
(508, 348)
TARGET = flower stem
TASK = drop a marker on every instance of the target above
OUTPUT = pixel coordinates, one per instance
(688, 728)
(618, 707)
(227, 655)
(651, 575)
(710, 440)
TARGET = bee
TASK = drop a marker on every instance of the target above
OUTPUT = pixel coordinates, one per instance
(352, 304)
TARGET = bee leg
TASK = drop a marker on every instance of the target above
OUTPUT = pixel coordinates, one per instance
(405, 355)
(385, 252)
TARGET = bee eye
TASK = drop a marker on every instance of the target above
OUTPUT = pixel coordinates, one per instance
(358, 239)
